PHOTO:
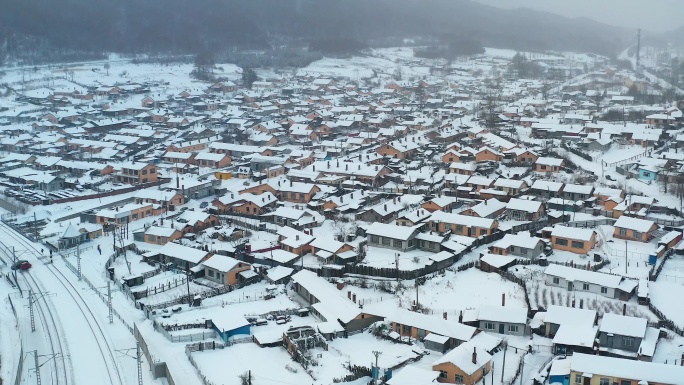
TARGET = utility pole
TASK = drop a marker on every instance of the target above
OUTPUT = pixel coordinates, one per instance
(249, 377)
(377, 354)
(35, 227)
(33, 320)
(625, 257)
(396, 264)
(35, 363)
(522, 369)
(137, 358)
(416, 291)
(78, 260)
(109, 301)
(503, 366)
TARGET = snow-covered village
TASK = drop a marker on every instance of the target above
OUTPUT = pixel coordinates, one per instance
(504, 218)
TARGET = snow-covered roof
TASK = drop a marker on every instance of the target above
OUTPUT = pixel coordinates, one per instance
(636, 224)
(522, 239)
(581, 275)
(616, 367)
(561, 315)
(392, 231)
(508, 314)
(221, 263)
(462, 357)
(572, 233)
(333, 305)
(623, 325)
(430, 323)
(184, 253)
(525, 205)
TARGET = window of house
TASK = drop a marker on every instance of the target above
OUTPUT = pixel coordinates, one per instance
(385, 241)
(211, 273)
(628, 341)
(604, 381)
(144, 172)
(483, 231)
(604, 290)
(397, 243)
(636, 234)
(152, 171)
(490, 325)
(556, 280)
(543, 167)
(523, 251)
(578, 244)
(585, 286)
(458, 378)
(422, 243)
(442, 374)
(153, 238)
(623, 232)
(578, 378)
(459, 228)
(374, 239)
(513, 328)
(561, 242)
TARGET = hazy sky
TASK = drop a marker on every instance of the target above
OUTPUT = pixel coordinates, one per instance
(652, 15)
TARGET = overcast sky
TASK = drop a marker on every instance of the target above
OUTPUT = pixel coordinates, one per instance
(652, 15)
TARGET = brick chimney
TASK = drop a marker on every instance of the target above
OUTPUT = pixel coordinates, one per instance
(474, 355)
(349, 294)
(340, 284)
(354, 298)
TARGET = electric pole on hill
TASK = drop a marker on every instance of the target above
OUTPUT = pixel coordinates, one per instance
(377, 354)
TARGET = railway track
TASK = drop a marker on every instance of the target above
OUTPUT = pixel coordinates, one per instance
(105, 349)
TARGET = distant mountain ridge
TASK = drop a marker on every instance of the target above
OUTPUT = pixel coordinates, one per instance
(184, 26)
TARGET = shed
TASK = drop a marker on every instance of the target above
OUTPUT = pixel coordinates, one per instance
(436, 342)
(230, 326)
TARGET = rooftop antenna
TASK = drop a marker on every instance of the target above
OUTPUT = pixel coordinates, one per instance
(638, 50)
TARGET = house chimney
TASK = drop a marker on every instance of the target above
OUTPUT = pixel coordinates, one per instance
(354, 298)
(278, 183)
(349, 294)
(340, 284)
(376, 167)
(624, 309)
(342, 199)
(474, 355)
(346, 167)
(503, 299)
(588, 266)
(291, 183)
(394, 200)
(297, 237)
(681, 361)
(328, 164)
(313, 167)
(359, 167)
(232, 196)
(444, 315)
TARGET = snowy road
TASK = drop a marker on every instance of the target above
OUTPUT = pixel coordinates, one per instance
(67, 326)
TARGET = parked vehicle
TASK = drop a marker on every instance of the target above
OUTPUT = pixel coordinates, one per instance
(21, 264)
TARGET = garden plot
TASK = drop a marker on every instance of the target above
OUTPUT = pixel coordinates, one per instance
(666, 295)
(453, 292)
(541, 295)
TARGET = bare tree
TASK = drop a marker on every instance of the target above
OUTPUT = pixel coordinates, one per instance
(107, 67)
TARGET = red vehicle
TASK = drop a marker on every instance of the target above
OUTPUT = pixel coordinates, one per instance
(21, 265)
